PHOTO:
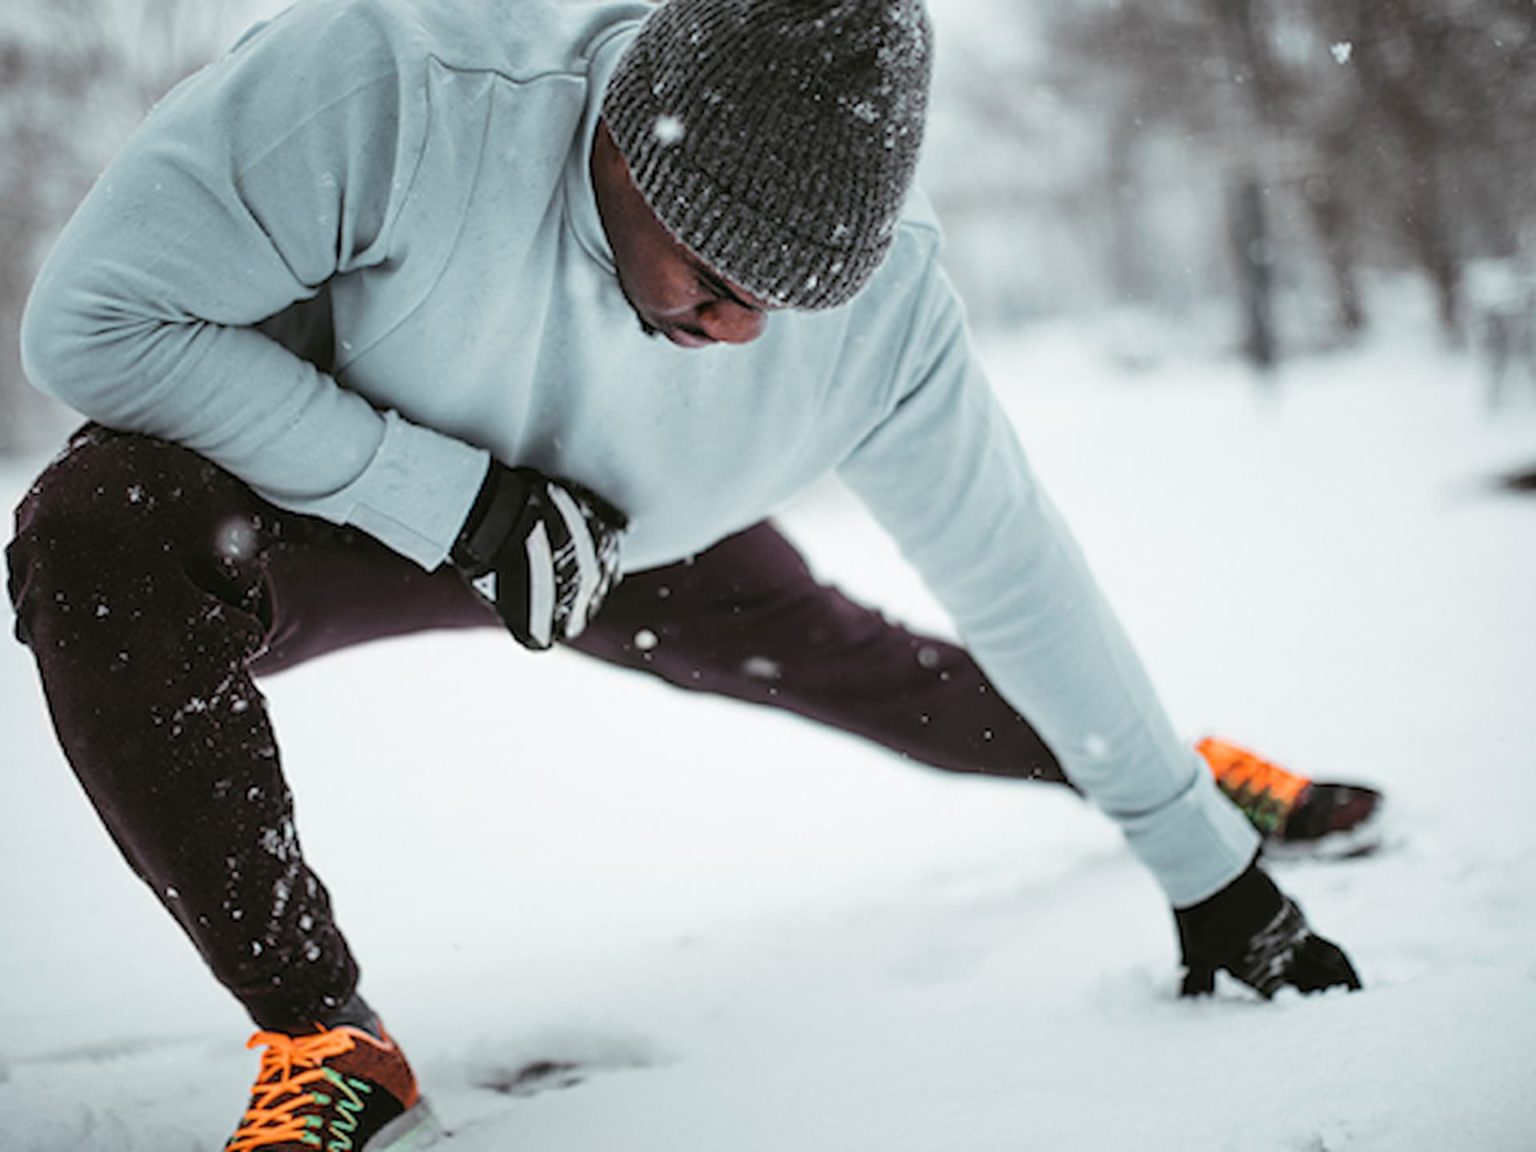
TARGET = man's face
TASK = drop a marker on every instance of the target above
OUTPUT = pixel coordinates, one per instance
(673, 292)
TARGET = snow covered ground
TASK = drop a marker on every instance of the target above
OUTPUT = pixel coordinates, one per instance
(758, 936)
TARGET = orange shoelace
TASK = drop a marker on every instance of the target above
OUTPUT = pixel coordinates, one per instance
(1247, 776)
(290, 1067)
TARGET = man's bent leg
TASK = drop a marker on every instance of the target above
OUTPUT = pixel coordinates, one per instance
(148, 583)
(747, 619)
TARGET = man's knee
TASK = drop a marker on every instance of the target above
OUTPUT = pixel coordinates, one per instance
(117, 516)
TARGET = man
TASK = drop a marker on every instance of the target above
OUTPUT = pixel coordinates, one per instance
(410, 315)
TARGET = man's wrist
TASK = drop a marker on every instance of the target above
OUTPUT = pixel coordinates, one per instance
(499, 503)
(1220, 925)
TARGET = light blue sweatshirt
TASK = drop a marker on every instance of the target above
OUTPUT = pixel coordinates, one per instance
(415, 172)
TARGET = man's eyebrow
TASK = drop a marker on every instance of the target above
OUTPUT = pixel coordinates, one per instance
(718, 286)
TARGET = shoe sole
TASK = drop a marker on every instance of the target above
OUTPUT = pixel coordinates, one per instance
(409, 1131)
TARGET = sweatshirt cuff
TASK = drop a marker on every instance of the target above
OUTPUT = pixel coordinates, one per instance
(417, 490)
(1195, 845)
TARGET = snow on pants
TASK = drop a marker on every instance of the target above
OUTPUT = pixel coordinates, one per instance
(152, 587)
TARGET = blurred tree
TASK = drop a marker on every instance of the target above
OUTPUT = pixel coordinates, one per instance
(1212, 75)
(1343, 135)
(75, 77)
(1447, 91)
(1256, 115)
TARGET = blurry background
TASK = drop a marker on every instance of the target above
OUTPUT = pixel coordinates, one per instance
(1270, 159)
(1256, 278)
(1254, 178)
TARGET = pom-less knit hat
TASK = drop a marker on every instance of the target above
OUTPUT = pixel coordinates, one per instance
(776, 139)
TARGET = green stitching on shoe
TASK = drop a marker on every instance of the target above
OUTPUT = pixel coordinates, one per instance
(348, 1108)
(1263, 810)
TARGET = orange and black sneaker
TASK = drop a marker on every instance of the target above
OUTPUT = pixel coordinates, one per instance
(338, 1089)
(1297, 816)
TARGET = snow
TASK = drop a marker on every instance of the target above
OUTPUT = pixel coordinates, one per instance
(747, 933)
(668, 130)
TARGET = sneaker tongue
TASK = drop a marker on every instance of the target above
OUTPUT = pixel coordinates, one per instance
(357, 1013)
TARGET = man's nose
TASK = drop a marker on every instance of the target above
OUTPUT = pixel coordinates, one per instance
(730, 322)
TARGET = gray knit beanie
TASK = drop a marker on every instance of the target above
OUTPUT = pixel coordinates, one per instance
(776, 139)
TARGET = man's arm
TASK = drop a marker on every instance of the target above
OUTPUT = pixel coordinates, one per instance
(943, 471)
(945, 475)
(256, 181)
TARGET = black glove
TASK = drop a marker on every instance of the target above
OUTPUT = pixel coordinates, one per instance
(1258, 934)
(542, 552)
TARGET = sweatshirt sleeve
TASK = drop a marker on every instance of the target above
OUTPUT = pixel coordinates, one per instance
(944, 473)
(253, 183)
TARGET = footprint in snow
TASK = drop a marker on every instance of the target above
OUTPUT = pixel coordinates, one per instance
(556, 1059)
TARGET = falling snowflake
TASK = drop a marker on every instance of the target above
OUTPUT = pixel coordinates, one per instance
(761, 668)
(668, 130)
(1342, 51)
(236, 539)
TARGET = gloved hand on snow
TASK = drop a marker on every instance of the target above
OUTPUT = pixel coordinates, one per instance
(542, 552)
(1258, 934)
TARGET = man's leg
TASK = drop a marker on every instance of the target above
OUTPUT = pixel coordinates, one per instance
(747, 619)
(150, 585)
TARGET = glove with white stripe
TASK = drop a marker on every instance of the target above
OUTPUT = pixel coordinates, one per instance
(1258, 934)
(542, 552)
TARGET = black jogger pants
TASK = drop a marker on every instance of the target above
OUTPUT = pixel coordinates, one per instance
(152, 587)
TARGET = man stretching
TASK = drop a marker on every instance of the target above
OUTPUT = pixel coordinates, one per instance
(414, 314)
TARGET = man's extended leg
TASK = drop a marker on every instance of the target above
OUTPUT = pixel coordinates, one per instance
(747, 619)
(150, 585)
